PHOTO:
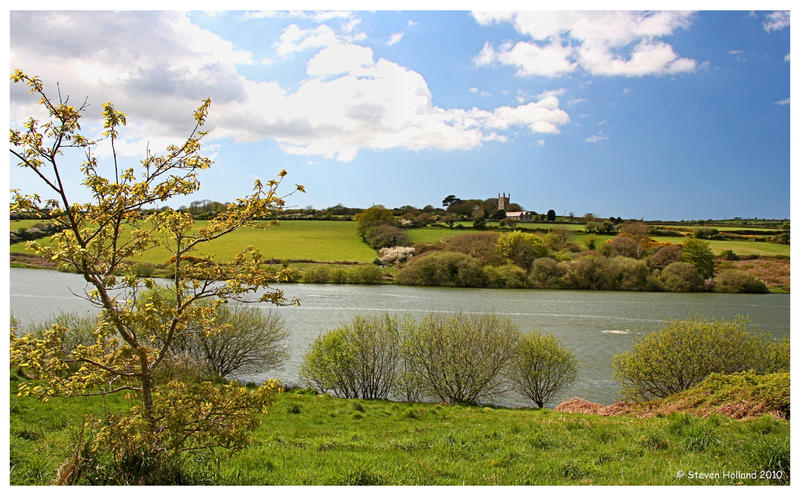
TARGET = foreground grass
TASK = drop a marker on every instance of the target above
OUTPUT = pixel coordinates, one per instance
(316, 439)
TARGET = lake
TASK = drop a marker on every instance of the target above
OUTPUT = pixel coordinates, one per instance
(595, 325)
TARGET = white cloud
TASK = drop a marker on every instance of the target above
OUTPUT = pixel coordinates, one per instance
(296, 39)
(785, 101)
(627, 91)
(575, 101)
(775, 21)
(158, 66)
(318, 16)
(787, 57)
(529, 58)
(479, 91)
(596, 138)
(603, 43)
(738, 54)
(394, 38)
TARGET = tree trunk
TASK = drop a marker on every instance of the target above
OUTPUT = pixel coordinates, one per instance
(147, 391)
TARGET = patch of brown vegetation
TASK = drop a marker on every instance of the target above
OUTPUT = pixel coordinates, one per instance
(740, 410)
(775, 272)
(33, 260)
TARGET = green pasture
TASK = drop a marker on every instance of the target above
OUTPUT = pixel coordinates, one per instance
(324, 241)
(320, 440)
(26, 223)
(329, 241)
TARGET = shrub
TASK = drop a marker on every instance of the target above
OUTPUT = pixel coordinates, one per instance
(338, 276)
(729, 255)
(460, 358)
(317, 274)
(542, 367)
(252, 341)
(357, 360)
(681, 277)
(80, 330)
(625, 274)
(736, 281)
(443, 269)
(705, 233)
(395, 255)
(664, 256)
(368, 221)
(386, 236)
(684, 352)
(505, 276)
(546, 273)
(144, 269)
(622, 246)
(480, 246)
(521, 248)
(365, 274)
(586, 272)
(559, 239)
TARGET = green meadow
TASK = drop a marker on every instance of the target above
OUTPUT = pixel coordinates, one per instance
(336, 241)
(320, 440)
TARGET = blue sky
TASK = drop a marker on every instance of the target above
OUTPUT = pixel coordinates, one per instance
(654, 115)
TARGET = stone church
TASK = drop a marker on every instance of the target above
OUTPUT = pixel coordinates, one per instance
(503, 201)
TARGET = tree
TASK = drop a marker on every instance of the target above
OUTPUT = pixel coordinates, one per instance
(551, 215)
(450, 200)
(357, 360)
(135, 334)
(681, 276)
(542, 367)
(460, 358)
(447, 269)
(252, 342)
(699, 254)
(682, 353)
(521, 248)
(368, 221)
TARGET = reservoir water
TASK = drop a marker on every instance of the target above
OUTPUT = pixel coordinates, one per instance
(595, 325)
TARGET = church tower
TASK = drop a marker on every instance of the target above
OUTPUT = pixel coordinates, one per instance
(503, 201)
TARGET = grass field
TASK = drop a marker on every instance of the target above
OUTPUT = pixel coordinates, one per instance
(297, 240)
(26, 223)
(320, 440)
(328, 241)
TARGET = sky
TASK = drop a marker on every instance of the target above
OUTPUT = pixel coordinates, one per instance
(656, 115)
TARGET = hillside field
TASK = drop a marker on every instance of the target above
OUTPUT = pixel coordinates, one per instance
(335, 241)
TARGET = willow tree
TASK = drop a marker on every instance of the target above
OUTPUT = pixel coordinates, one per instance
(137, 328)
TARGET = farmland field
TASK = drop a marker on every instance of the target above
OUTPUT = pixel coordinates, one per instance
(329, 241)
(297, 240)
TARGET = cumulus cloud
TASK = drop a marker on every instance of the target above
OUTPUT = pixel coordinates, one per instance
(775, 21)
(394, 38)
(296, 39)
(602, 43)
(319, 16)
(785, 101)
(157, 66)
(353, 101)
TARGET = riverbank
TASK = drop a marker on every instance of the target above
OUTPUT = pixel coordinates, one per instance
(314, 439)
(773, 271)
